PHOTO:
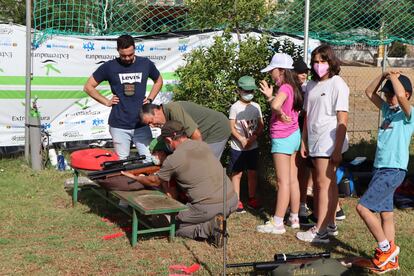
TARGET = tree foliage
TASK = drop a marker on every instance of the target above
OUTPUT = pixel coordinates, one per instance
(210, 74)
(230, 14)
(13, 11)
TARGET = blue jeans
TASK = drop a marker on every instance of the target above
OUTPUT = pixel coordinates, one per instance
(122, 138)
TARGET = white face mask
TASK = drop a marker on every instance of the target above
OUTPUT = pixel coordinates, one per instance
(247, 96)
(155, 160)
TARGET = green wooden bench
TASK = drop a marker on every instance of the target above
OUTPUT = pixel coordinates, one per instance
(143, 203)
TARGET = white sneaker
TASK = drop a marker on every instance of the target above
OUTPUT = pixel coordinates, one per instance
(271, 228)
(332, 230)
(294, 223)
(312, 235)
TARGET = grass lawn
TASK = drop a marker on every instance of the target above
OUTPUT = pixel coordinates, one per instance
(41, 234)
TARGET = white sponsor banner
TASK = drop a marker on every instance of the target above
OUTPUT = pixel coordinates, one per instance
(60, 68)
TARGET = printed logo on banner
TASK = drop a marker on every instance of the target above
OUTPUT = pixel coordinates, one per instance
(83, 113)
(90, 46)
(81, 122)
(62, 46)
(202, 37)
(108, 47)
(139, 48)
(6, 30)
(130, 77)
(7, 43)
(50, 67)
(98, 122)
(11, 127)
(72, 134)
(157, 49)
(16, 138)
(46, 126)
(84, 105)
(183, 45)
(6, 54)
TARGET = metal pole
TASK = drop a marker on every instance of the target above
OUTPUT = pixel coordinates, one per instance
(28, 79)
(225, 221)
(306, 33)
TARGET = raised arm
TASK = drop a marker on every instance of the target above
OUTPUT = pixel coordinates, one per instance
(373, 87)
(400, 93)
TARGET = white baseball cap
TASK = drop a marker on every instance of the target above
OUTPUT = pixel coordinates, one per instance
(279, 60)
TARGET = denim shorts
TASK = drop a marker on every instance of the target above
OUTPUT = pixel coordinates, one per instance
(286, 145)
(244, 160)
(379, 195)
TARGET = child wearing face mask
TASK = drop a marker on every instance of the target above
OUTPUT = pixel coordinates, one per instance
(285, 134)
(324, 137)
(246, 123)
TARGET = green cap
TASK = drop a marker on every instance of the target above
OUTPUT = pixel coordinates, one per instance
(157, 145)
(247, 83)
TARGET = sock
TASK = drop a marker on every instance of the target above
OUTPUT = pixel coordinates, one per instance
(278, 220)
(294, 216)
(384, 245)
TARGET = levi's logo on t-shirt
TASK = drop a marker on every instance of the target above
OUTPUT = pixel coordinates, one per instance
(130, 77)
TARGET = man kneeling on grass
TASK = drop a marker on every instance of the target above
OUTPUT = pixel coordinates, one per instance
(200, 175)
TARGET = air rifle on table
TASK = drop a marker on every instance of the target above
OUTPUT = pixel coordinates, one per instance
(134, 165)
(280, 259)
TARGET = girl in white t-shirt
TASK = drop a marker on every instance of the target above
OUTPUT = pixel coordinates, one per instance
(324, 137)
(285, 134)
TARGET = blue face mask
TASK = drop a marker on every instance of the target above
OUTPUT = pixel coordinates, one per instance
(247, 96)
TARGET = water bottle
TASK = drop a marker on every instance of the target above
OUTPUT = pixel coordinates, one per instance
(61, 161)
(53, 157)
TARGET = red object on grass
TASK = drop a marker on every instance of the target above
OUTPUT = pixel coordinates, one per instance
(113, 236)
(91, 159)
(187, 270)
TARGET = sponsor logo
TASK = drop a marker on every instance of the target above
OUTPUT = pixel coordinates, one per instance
(6, 54)
(50, 66)
(155, 58)
(83, 113)
(46, 126)
(130, 77)
(155, 49)
(139, 48)
(183, 45)
(90, 46)
(97, 122)
(98, 130)
(10, 126)
(62, 46)
(83, 106)
(202, 37)
(108, 47)
(81, 122)
(50, 55)
(6, 30)
(18, 138)
(7, 43)
(72, 133)
(104, 57)
(21, 118)
(182, 48)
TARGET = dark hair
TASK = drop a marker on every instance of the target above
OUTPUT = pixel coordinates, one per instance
(291, 78)
(148, 108)
(326, 52)
(125, 41)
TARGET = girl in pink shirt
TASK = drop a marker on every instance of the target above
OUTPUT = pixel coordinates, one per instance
(285, 134)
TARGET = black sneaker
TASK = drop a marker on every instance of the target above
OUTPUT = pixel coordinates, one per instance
(217, 231)
(305, 221)
(340, 215)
